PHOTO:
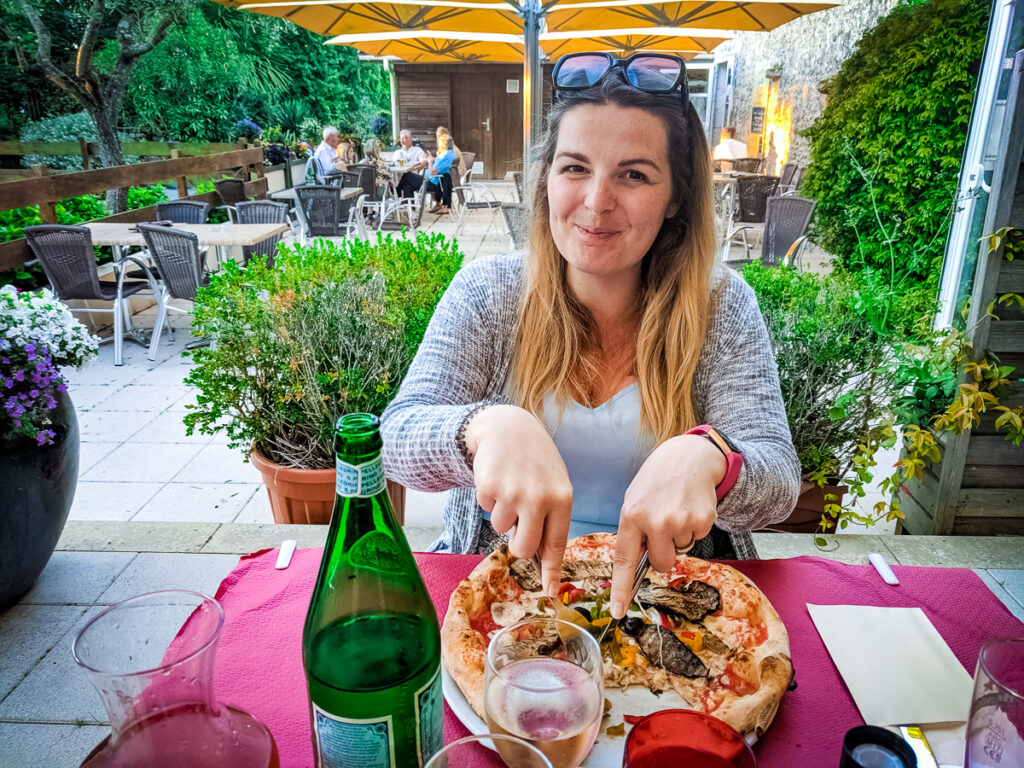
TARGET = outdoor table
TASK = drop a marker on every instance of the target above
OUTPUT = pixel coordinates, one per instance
(259, 658)
(120, 235)
(291, 197)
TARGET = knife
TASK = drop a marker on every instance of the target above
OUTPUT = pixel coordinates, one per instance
(563, 612)
(641, 573)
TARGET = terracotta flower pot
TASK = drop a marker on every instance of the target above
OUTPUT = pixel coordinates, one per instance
(810, 505)
(307, 495)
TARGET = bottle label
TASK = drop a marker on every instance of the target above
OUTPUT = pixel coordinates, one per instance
(360, 480)
(429, 718)
(342, 743)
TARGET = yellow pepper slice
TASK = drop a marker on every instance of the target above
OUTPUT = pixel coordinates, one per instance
(629, 655)
(601, 622)
(692, 640)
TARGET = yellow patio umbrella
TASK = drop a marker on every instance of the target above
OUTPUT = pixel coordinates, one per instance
(691, 15)
(625, 42)
(360, 17)
(426, 46)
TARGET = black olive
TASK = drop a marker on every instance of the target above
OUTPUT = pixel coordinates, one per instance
(631, 625)
(582, 612)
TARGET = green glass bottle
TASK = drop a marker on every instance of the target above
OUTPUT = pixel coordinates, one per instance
(371, 646)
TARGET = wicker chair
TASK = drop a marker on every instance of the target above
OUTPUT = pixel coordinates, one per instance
(746, 164)
(183, 211)
(517, 183)
(262, 212)
(69, 262)
(181, 267)
(323, 212)
(515, 222)
(475, 197)
(231, 192)
(785, 225)
(752, 193)
(786, 178)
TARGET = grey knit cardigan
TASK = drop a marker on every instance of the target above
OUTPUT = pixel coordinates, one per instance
(464, 360)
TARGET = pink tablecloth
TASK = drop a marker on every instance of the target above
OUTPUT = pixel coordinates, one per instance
(259, 661)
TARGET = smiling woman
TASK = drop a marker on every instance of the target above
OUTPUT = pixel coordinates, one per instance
(589, 385)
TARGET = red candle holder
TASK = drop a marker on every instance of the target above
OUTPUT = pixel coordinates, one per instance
(683, 738)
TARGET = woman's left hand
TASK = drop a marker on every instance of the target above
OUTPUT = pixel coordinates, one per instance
(670, 503)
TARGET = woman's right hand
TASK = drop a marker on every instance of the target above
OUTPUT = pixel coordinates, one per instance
(522, 481)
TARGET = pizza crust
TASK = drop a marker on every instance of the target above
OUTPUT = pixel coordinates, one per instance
(464, 649)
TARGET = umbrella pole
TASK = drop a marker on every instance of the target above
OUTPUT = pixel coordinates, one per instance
(532, 85)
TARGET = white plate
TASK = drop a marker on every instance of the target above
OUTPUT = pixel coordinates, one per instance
(607, 752)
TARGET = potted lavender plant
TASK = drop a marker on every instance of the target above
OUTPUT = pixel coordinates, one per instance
(38, 431)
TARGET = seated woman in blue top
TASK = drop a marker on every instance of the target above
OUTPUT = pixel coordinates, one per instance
(589, 384)
(437, 171)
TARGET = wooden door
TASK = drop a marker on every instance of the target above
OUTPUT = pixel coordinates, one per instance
(486, 120)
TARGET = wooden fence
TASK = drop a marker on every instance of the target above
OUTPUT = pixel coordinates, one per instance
(45, 189)
(89, 151)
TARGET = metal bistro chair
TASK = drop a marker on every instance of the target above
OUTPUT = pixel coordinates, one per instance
(785, 227)
(323, 213)
(407, 211)
(752, 193)
(231, 192)
(475, 197)
(67, 257)
(262, 212)
(182, 274)
(515, 222)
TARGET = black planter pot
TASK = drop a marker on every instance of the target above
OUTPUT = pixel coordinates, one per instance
(37, 486)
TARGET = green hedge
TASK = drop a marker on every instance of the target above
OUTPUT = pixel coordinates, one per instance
(886, 152)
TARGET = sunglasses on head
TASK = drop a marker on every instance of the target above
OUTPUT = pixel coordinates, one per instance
(647, 72)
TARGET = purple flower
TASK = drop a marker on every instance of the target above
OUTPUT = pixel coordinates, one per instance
(5, 360)
(9, 383)
(62, 387)
(30, 347)
(33, 393)
(19, 375)
(17, 423)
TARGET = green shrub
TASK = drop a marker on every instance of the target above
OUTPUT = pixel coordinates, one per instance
(330, 329)
(886, 152)
(830, 363)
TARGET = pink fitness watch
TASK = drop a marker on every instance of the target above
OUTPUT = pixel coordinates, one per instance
(733, 458)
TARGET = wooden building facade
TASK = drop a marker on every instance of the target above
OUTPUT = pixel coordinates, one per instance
(978, 487)
(480, 103)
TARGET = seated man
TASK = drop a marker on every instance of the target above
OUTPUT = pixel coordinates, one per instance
(728, 148)
(326, 153)
(412, 158)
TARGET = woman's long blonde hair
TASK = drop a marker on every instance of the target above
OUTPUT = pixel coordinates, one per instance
(557, 340)
(449, 142)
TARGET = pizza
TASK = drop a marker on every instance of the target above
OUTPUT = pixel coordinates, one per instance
(701, 632)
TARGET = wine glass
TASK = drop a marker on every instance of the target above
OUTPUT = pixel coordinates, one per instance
(995, 728)
(472, 750)
(543, 683)
(684, 738)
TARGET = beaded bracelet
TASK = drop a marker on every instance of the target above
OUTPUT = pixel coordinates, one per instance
(460, 436)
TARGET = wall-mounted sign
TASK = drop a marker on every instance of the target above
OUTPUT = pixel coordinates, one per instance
(511, 86)
(757, 120)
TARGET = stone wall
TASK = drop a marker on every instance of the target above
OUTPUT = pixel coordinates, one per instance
(799, 55)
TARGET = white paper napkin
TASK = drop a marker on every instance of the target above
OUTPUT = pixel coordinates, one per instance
(897, 667)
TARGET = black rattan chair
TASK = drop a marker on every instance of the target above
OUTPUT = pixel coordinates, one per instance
(752, 193)
(231, 192)
(785, 225)
(515, 222)
(183, 211)
(323, 212)
(517, 183)
(262, 212)
(180, 264)
(69, 262)
(746, 164)
(786, 177)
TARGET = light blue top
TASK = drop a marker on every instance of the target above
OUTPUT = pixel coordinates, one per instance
(441, 164)
(603, 448)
